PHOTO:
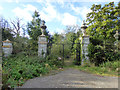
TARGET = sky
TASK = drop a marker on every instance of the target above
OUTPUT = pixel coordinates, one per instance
(57, 13)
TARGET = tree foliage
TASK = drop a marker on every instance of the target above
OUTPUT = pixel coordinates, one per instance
(34, 30)
(33, 27)
(103, 23)
(103, 20)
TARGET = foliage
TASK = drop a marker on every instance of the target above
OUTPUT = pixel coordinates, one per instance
(6, 30)
(34, 30)
(57, 47)
(69, 42)
(20, 44)
(54, 60)
(77, 52)
(102, 23)
(113, 65)
(33, 27)
(17, 69)
(6, 34)
(110, 68)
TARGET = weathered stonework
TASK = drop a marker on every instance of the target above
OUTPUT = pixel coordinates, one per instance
(7, 48)
(42, 46)
(84, 44)
(42, 42)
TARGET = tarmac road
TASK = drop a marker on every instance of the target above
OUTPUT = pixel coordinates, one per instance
(72, 78)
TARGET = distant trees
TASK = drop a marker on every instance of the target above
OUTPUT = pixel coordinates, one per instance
(5, 29)
(69, 40)
(17, 26)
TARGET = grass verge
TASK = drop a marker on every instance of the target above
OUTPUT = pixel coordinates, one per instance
(105, 69)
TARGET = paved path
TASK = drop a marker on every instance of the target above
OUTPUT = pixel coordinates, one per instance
(72, 78)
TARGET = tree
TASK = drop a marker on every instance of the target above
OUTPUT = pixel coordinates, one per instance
(33, 27)
(5, 30)
(6, 34)
(17, 26)
(102, 23)
(68, 40)
(34, 30)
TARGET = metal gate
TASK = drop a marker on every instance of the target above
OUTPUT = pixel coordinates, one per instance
(63, 54)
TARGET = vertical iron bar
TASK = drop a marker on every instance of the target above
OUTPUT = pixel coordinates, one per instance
(63, 54)
(76, 56)
(79, 52)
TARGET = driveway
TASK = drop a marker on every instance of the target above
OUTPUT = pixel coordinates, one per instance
(72, 78)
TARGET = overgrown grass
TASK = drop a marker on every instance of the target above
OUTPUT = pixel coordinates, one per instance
(106, 69)
(17, 69)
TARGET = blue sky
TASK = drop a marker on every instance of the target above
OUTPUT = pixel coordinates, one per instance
(57, 13)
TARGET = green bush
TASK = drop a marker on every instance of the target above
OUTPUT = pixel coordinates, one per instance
(96, 54)
(100, 52)
(112, 65)
(20, 68)
(53, 60)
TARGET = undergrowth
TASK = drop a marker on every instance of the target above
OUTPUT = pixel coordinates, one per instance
(19, 68)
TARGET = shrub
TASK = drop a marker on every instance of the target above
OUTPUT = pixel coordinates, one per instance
(100, 52)
(20, 68)
(111, 64)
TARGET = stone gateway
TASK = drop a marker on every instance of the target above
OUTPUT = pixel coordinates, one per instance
(84, 44)
(42, 42)
(7, 48)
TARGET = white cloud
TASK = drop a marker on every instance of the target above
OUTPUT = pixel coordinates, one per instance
(60, 31)
(52, 33)
(59, 0)
(30, 7)
(22, 13)
(80, 10)
(9, 1)
(40, 1)
(25, 13)
(1, 8)
(68, 19)
(49, 13)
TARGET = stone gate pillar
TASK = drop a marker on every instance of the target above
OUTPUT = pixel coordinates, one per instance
(84, 44)
(7, 47)
(42, 42)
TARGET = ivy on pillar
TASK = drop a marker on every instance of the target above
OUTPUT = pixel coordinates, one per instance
(84, 44)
